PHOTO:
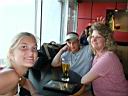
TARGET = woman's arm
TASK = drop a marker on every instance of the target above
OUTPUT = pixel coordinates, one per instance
(89, 77)
(86, 79)
(8, 80)
(81, 92)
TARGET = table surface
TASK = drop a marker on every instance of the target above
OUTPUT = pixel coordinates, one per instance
(40, 78)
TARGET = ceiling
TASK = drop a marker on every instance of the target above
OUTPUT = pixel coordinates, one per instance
(118, 1)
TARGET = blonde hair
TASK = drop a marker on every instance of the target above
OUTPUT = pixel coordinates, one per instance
(107, 33)
(15, 42)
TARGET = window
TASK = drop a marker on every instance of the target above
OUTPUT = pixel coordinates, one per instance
(15, 16)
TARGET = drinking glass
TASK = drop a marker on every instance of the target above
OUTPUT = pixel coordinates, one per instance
(65, 70)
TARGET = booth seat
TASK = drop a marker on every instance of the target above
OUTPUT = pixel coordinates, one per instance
(121, 39)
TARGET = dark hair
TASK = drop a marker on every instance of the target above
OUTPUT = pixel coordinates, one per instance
(88, 32)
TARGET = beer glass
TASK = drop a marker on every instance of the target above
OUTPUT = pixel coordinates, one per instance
(65, 70)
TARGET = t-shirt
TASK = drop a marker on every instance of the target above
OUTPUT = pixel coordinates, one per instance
(81, 61)
(112, 81)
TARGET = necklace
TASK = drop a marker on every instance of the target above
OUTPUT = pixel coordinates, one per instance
(21, 83)
(21, 80)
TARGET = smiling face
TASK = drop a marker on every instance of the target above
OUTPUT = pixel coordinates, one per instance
(97, 41)
(25, 52)
(74, 45)
(101, 38)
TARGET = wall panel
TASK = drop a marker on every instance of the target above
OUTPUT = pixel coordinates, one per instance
(82, 23)
(98, 9)
(84, 10)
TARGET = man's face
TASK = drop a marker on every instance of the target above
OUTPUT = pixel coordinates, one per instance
(74, 45)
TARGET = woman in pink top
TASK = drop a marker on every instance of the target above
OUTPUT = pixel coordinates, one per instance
(106, 74)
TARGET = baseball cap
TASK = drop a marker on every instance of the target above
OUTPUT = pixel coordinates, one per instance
(72, 36)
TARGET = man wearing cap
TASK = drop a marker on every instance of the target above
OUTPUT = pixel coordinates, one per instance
(79, 57)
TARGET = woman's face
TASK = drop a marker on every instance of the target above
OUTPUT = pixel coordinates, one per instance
(97, 41)
(25, 54)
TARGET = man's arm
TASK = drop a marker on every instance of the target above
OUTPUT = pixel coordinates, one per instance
(56, 62)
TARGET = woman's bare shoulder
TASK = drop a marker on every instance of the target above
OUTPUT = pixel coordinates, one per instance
(8, 80)
(8, 72)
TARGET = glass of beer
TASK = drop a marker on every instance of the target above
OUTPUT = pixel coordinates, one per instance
(65, 70)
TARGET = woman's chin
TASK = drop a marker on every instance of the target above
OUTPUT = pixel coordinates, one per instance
(29, 64)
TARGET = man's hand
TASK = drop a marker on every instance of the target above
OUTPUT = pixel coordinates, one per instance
(65, 48)
(100, 20)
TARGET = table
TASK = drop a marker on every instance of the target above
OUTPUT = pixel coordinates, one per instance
(41, 77)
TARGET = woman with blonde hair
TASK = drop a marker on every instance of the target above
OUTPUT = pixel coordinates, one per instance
(21, 56)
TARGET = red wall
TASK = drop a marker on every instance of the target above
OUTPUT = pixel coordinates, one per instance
(86, 16)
